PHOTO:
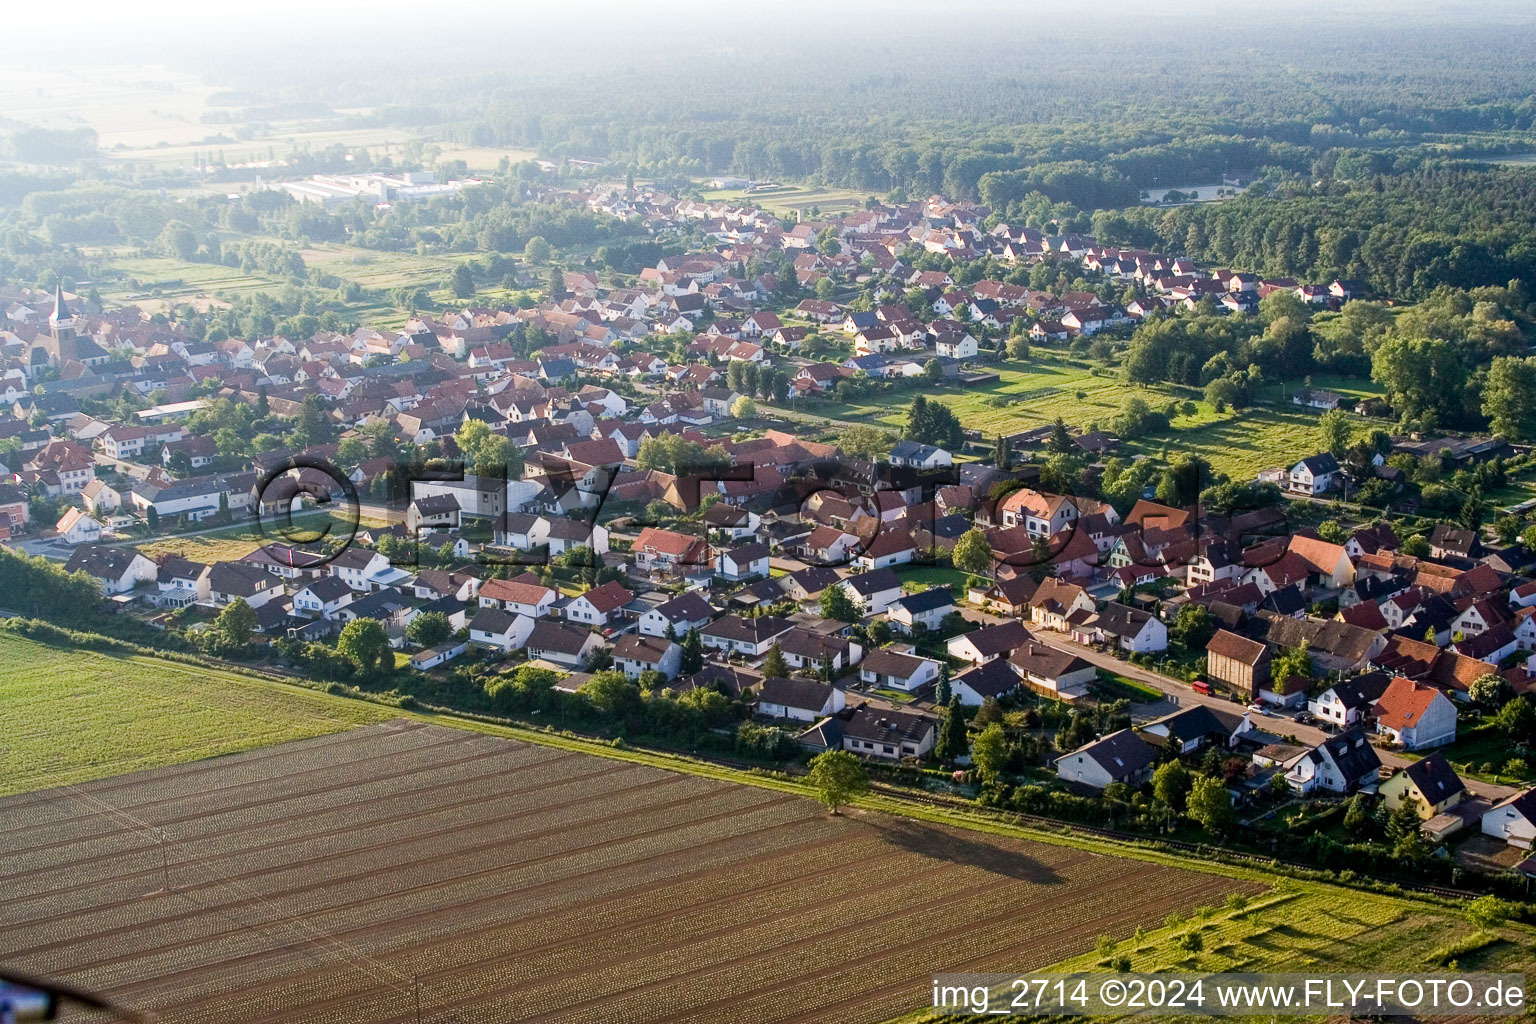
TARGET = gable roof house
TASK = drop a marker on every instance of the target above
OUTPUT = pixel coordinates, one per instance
(1055, 600)
(801, 700)
(322, 598)
(1121, 757)
(748, 637)
(1341, 764)
(1513, 820)
(873, 591)
(522, 596)
(895, 669)
(988, 643)
(926, 608)
(686, 611)
(658, 550)
(1430, 785)
(1045, 670)
(889, 734)
(118, 570)
(1415, 715)
(561, 644)
(1199, 726)
(1133, 629)
(1313, 475)
(635, 655)
(598, 606)
(498, 629)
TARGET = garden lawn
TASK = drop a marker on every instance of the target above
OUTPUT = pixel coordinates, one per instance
(68, 716)
(934, 576)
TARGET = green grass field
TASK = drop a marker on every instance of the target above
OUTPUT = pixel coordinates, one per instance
(70, 716)
(790, 199)
(156, 283)
(1301, 928)
(1032, 393)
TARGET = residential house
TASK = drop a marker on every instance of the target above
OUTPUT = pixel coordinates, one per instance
(926, 608)
(1513, 820)
(658, 550)
(684, 612)
(750, 638)
(800, 700)
(873, 592)
(523, 596)
(75, 527)
(889, 734)
(634, 655)
(1340, 764)
(1121, 756)
(919, 456)
(995, 678)
(431, 657)
(1430, 785)
(564, 645)
(897, 669)
(322, 598)
(1050, 672)
(1054, 602)
(988, 643)
(1415, 715)
(1313, 475)
(600, 605)
(1348, 702)
(118, 570)
(1200, 726)
(499, 629)
(744, 561)
(1132, 629)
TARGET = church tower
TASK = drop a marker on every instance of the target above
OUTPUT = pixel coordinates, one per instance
(61, 331)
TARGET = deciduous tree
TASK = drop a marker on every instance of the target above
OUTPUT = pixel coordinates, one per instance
(838, 777)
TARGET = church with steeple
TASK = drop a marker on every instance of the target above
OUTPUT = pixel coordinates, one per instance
(63, 344)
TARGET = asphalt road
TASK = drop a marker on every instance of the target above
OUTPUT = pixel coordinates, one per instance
(1187, 696)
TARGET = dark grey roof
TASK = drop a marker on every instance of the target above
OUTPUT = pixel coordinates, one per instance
(1354, 755)
(101, 562)
(1121, 620)
(926, 600)
(802, 694)
(885, 726)
(1199, 721)
(1435, 778)
(688, 607)
(1362, 691)
(551, 636)
(999, 638)
(493, 620)
(887, 662)
(873, 582)
(238, 578)
(993, 679)
(734, 627)
(327, 588)
(1121, 754)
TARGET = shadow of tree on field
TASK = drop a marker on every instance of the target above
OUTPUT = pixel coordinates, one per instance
(940, 844)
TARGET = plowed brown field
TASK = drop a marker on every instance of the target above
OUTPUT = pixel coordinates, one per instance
(405, 872)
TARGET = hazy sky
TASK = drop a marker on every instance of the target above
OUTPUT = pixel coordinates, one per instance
(204, 20)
